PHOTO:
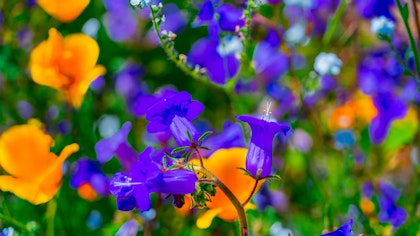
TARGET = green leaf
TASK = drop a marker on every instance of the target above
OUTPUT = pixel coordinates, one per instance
(204, 136)
(401, 132)
(405, 13)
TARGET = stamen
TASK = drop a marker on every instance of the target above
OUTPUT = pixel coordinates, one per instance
(267, 111)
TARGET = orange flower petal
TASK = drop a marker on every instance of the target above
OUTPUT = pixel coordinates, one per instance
(67, 65)
(36, 172)
(205, 219)
(87, 192)
(76, 93)
(25, 151)
(225, 164)
(25, 189)
(64, 11)
(79, 56)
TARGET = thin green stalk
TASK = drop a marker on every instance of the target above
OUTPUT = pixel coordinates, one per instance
(239, 208)
(333, 23)
(13, 222)
(230, 85)
(404, 15)
(399, 58)
(177, 61)
(50, 215)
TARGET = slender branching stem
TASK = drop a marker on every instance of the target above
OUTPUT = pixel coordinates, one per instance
(232, 198)
(404, 15)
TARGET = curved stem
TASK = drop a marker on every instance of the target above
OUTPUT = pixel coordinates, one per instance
(239, 208)
(181, 64)
(252, 192)
(14, 222)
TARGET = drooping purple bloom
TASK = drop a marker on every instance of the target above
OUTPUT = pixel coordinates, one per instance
(89, 171)
(259, 156)
(390, 107)
(133, 189)
(117, 145)
(390, 212)
(174, 114)
(344, 230)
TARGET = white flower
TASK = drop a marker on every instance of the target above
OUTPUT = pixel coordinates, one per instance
(230, 45)
(327, 64)
(382, 26)
(141, 3)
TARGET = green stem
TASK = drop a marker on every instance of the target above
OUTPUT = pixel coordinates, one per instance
(230, 85)
(399, 58)
(13, 222)
(333, 23)
(50, 215)
(173, 56)
(404, 15)
(238, 206)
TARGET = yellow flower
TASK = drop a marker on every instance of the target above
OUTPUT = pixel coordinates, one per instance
(35, 172)
(64, 11)
(224, 164)
(66, 64)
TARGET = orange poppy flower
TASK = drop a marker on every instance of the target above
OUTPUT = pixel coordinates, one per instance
(64, 11)
(35, 172)
(224, 164)
(66, 64)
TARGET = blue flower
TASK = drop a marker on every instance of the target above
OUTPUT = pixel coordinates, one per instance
(133, 189)
(117, 145)
(390, 107)
(344, 230)
(259, 156)
(390, 212)
(174, 114)
(344, 139)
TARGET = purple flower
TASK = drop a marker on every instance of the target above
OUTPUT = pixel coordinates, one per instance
(270, 64)
(121, 22)
(133, 189)
(230, 18)
(117, 145)
(372, 8)
(390, 107)
(390, 212)
(218, 67)
(259, 156)
(344, 230)
(174, 114)
(89, 171)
